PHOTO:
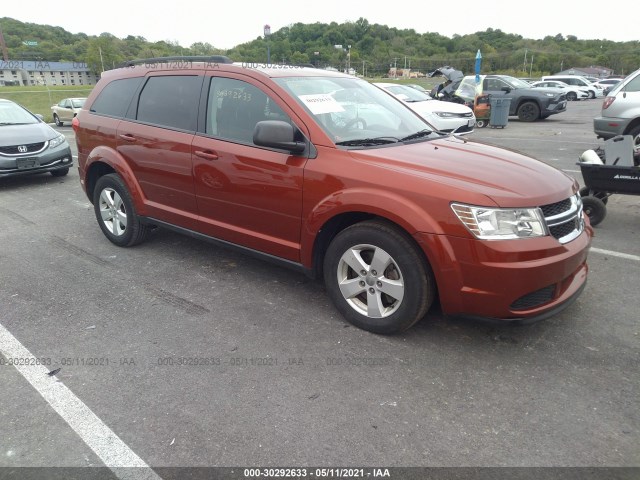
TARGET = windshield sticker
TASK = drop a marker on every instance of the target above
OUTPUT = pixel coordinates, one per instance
(321, 103)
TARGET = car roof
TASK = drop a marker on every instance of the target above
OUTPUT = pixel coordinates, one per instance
(253, 69)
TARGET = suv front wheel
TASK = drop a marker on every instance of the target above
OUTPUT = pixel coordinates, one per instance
(114, 211)
(377, 278)
(529, 112)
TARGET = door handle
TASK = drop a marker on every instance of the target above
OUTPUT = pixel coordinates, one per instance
(128, 137)
(206, 155)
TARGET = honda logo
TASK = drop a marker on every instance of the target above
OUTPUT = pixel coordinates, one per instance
(22, 149)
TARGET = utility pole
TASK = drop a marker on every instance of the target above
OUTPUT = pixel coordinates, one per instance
(531, 70)
(524, 65)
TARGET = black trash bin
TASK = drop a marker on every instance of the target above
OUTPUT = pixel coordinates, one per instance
(499, 111)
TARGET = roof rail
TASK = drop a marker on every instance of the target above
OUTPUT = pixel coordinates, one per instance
(206, 59)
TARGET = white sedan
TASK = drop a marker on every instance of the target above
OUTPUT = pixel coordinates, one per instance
(572, 92)
(444, 116)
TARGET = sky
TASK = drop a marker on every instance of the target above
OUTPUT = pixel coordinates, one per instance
(225, 26)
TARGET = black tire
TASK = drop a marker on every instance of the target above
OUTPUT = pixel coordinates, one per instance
(529, 112)
(635, 133)
(592, 94)
(57, 120)
(572, 96)
(586, 191)
(372, 303)
(595, 209)
(112, 198)
(481, 123)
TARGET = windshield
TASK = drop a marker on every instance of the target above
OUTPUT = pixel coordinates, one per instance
(351, 110)
(78, 102)
(515, 82)
(13, 114)
(411, 94)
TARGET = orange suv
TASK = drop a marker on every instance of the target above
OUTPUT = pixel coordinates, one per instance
(326, 173)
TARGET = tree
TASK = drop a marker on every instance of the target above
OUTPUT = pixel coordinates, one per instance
(102, 53)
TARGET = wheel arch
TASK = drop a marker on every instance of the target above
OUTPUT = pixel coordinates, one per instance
(635, 123)
(103, 161)
(339, 222)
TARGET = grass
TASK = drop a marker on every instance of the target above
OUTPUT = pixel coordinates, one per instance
(39, 99)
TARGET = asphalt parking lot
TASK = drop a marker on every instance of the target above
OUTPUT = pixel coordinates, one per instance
(176, 353)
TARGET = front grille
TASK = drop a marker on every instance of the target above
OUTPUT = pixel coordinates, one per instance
(563, 229)
(20, 149)
(534, 299)
(564, 219)
(556, 208)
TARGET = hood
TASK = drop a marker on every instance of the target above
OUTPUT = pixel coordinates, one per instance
(476, 170)
(542, 91)
(24, 134)
(429, 106)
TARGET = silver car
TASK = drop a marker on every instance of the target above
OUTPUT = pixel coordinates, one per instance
(28, 145)
(621, 112)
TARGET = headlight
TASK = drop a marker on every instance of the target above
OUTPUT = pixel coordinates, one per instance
(501, 223)
(57, 141)
(445, 114)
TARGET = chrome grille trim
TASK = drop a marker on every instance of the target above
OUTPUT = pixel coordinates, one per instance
(571, 214)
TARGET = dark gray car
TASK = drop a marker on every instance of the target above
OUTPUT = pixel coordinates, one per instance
(527, 103)
(28, 145)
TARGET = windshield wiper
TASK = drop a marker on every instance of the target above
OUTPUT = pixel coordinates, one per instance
(421, 133)
(360, 142)
(13, 123)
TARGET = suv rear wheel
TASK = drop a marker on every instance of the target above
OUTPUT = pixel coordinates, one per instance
(114, 210)
(377, 278)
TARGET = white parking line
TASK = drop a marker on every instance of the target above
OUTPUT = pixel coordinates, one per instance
(115, 454)
(627, 256)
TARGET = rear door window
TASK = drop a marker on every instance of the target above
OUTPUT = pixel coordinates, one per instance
(170, 101)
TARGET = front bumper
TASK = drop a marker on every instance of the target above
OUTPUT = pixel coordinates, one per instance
(47, 161)
(555, 107)
(528, 279)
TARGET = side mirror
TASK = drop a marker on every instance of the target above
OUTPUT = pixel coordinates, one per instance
(506, 89)
(277, 134)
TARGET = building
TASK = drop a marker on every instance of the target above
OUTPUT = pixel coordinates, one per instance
(40, 72)
(593, 71)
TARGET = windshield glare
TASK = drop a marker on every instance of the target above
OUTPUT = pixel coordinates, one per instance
(12, 114)
(78, 102)
(412, 94)
(515, 82)
(350, 109)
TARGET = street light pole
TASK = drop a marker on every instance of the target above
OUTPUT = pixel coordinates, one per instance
(267, 34)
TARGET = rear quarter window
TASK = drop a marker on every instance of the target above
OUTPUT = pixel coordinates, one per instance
(114, 99)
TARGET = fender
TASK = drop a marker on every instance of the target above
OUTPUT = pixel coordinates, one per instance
(381, 203)
(110, 157)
